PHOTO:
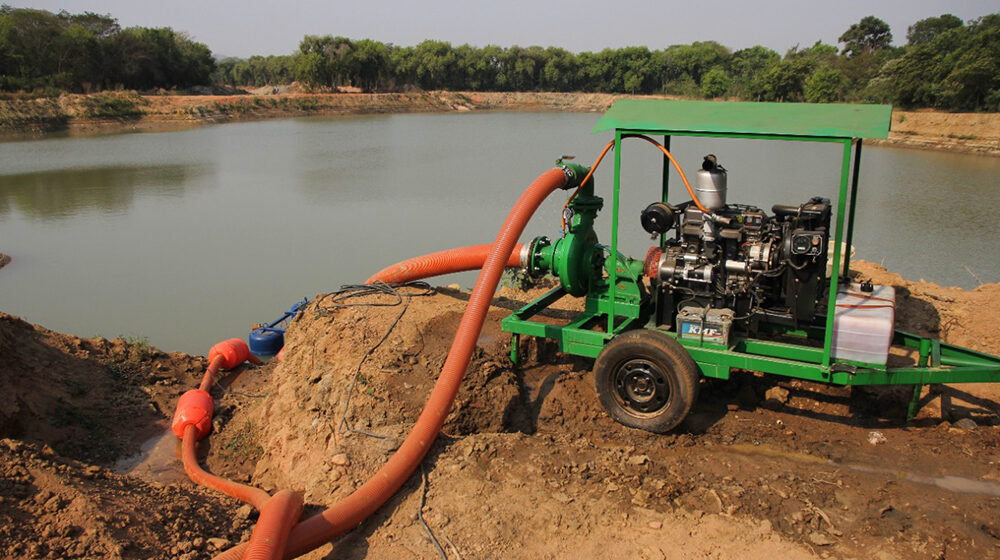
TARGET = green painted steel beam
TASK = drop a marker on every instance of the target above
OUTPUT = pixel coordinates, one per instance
(541, 303)
(802, 120)
(781, 350)
(852, 206)
(831, 309)
(919, 376)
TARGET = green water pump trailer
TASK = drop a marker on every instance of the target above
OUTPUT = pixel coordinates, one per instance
(727, 286)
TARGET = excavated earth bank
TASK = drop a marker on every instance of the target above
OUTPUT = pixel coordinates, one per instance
(529, 465)
(925, 129)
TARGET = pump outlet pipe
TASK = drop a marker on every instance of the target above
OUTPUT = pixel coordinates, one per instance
(349, 513)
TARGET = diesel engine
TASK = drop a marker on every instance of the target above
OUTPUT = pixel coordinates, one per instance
(735, 266)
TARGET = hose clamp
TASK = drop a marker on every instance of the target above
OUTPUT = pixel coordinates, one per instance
(570, 174)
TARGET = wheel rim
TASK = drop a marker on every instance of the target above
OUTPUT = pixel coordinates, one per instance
(641, 387)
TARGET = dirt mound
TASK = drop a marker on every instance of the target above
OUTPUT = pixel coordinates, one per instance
(530, 465)
(54, 507)
(307, 419)
(90, 399)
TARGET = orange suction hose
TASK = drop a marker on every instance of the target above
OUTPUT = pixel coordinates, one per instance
(277, 518)
(443, 262)
(253, 496)
(193, 421)
(349, 513)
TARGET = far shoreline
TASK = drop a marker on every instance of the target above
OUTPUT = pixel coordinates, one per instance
(77, 114)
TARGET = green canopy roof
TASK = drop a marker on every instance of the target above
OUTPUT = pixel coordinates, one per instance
(828, 120)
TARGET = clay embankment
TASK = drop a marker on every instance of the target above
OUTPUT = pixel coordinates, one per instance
(71, 408)
(529, 465)
(965, 132)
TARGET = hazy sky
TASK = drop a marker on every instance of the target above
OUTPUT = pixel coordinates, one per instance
(247, 27)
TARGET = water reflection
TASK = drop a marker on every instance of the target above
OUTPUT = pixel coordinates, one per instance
(61, 193)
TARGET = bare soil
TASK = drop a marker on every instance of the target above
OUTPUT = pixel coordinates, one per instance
(938, 130)
(529, 465)
(71, 407)
(925, 129)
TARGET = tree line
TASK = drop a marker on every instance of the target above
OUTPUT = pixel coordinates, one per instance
(40, 50)
(946, 63)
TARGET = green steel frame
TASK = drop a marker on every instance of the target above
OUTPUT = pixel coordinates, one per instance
(607, 315)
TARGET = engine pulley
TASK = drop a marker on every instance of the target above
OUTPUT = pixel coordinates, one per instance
(658, 217)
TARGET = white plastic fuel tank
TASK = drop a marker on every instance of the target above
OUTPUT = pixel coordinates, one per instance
(863, 323)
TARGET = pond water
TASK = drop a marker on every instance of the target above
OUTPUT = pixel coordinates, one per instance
(189, 237)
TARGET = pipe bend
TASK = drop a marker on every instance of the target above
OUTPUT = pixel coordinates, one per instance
(350, 512)
(253, 496)
(277, 517)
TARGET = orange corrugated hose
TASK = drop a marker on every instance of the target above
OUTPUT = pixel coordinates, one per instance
(349, 513)
(192, 422)
(253, 496)
(277, 517)
(280, 512)
(443, 262)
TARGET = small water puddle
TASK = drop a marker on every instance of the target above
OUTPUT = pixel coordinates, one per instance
(158, 460)
(947, 482)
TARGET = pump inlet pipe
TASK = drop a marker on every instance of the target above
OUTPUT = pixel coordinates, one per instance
(192, 423)
(355, 508)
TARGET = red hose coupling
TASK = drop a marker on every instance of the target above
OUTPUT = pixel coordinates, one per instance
(233, 353)
(194, 408)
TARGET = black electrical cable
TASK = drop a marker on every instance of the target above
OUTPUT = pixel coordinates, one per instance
(420, 512)
(339, 299)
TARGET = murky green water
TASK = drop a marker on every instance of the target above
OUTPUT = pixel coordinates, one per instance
(189, 237)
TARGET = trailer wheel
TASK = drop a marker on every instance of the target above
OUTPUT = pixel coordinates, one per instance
(646, 380)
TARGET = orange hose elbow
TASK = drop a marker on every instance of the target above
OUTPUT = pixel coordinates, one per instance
(195, 409)
(277, 518)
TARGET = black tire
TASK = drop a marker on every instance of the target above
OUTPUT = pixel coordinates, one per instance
(646, 380)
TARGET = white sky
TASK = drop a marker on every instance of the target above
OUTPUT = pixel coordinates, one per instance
(248, 27)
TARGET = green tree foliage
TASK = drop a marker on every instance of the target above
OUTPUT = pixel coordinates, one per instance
(715, 83)
(748, 68)
(255, 71)
(825, 85)
(785, 80)
(925, 30)
(90, 51)
(946, 64)
(958, 69)
(681, 66)
(865, 37)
